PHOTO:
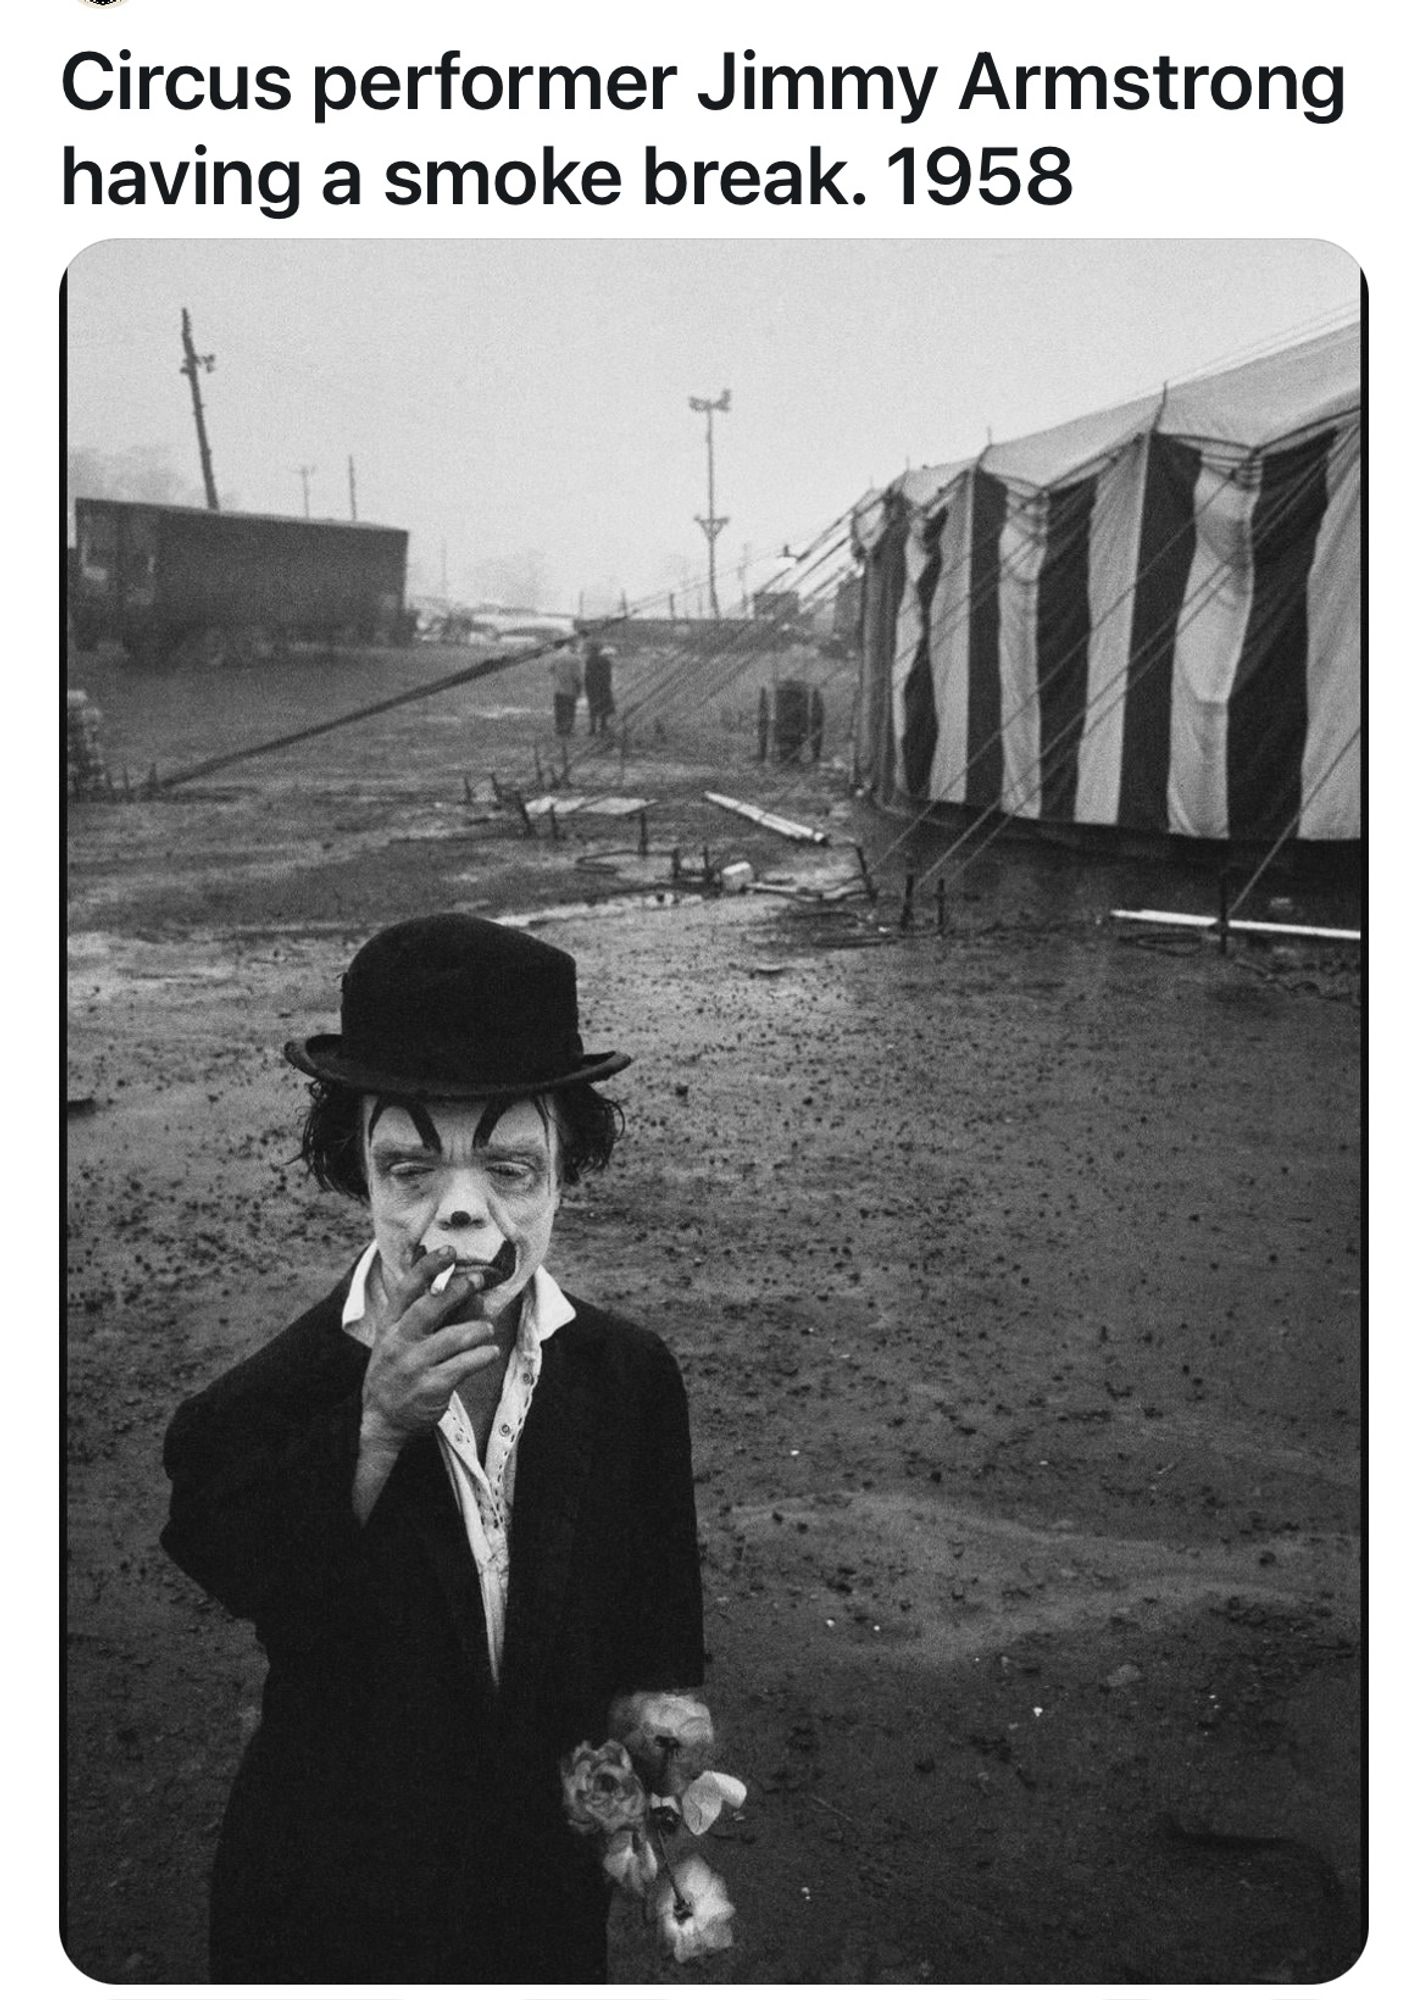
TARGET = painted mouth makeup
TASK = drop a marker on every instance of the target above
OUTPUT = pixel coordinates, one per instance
(488, 1275)
(502, 1266)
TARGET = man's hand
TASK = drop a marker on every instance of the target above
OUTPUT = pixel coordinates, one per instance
(420, 1356)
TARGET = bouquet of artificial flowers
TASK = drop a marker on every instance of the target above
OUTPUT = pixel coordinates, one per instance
(641, 1793)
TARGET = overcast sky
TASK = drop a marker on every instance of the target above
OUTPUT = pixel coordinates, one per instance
(526, 404)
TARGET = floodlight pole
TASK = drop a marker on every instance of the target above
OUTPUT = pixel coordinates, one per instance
(711, 522)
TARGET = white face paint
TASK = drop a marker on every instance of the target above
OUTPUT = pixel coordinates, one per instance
(437, 1179)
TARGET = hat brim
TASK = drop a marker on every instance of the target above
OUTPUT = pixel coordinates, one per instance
(321, 1056)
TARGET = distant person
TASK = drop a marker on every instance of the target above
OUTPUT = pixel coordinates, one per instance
(817, 723)
(599, 686)
(456, 1504)
(565, 680)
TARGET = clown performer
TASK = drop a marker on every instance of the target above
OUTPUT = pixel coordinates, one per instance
(455, 1503)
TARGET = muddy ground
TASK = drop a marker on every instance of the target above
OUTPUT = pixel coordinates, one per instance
(1013, 1271)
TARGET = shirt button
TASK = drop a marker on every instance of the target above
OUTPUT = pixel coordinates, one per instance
(527, 1379)
(505, 1430)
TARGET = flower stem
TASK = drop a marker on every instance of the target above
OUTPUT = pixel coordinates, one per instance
(683, 1909)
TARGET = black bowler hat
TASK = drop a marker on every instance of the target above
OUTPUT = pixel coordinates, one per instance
(455, 1006)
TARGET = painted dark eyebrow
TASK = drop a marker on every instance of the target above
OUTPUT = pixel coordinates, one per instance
(417, 1113)
(491, 1115)
(495, 1110)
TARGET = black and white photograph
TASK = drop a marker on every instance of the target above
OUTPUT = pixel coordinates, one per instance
(715, 912)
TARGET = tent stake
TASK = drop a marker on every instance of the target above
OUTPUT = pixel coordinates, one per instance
(868, 884)
(906, 919)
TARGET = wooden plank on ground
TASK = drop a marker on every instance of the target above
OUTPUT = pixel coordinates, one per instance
(1188, 922)
(791, 829)
(617, 805)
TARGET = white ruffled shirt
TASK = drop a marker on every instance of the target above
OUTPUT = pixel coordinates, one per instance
(485, 1493)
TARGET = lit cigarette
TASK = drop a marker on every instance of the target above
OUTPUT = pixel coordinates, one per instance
(443, 1278)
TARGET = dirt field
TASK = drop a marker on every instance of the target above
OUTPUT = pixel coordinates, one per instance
(1013, 1271)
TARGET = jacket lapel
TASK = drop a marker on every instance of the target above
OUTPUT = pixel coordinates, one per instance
(556, 1456)
(419, 1495)
(422, 1490)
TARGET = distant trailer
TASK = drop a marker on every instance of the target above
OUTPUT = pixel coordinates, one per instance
(184, 585)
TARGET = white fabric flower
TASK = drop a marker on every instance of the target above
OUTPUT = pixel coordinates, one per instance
(630, 1862)
(669, 1736)
(602, 1792)
(707, 1922)
(705, 1798)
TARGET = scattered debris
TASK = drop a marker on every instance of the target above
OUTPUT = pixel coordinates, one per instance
(1122, 1677)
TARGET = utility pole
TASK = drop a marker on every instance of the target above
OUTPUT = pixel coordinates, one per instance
(190, 366)
(352, 484)
(304, 473)
(711, 522)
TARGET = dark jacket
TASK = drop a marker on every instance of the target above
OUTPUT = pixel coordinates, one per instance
(394, 1817)
(599, 679)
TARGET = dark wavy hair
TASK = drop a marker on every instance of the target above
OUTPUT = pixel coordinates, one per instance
(587, 1126)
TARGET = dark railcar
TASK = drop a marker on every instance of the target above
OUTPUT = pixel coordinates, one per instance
(168, 580)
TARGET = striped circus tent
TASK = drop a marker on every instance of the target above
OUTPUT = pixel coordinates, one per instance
(1148, 618)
